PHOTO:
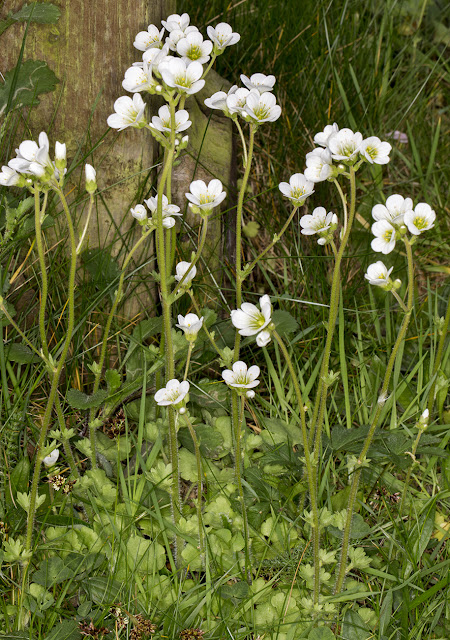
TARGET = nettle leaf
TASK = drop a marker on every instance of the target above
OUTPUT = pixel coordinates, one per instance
(51, 572)
(34, 77)
(284, 322)
(354, 627)
(20, 353)
(345, 439)
(41, 12)
(79, 400)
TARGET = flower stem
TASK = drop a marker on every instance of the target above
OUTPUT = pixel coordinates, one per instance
(309, 466)
(208, 334)
(381, 401)
(196, 257)
(188, 360)
(55, 377)
(240, 207)
(399, 300)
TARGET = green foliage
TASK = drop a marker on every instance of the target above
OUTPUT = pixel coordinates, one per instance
(22, 86)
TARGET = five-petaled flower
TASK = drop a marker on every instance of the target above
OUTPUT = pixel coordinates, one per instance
(322, 137)
(129, 112)
(262, 107)
(241, 377)
(297, 189)
(51, 459)
(385, 237)
(168, 210)
(192, 48)
(178, 75)
(182, 269)
(172, 394)
(344, 145)
(394, 210)
(162, 122)
(421, 219)
(206, 197)
(148, 39)
(251, 321)
(319, 165)
(319, 222)
(375, 151)
(259, 81)
(191, 325)
(378, 275)
(222, 35)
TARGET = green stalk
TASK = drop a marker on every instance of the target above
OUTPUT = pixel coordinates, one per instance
(240, 207)
(167, 321)
(54, 385)
(199, 485)
(375, 420)
(188, 360)
(208, 334)
(408, 475)
(309, 467)
(92, 427)
(196, 257)
(437, 362)
(321, 396)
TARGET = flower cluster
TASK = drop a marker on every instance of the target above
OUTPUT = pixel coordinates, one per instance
(396, 218)
(168, 211)
(33, 164)
(254, 103)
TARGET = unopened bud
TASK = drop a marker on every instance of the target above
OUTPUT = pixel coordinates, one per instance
(91, 178)
(60, 156)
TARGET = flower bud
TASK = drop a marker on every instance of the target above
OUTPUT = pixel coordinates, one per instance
(91, 180)
(60, 156)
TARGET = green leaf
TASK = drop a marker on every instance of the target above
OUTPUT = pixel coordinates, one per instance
(20, 353)
(386, 612)
(359, 529)
(19, 478)
(321, 633)
(51, 572)
(354, 627)
(41, 12)
(79, 400)
(102, 590)
(113, 379)
(67, 630)
(234, 592)
(34, 78)
(16, 635)
(284, 322)
(342, 438)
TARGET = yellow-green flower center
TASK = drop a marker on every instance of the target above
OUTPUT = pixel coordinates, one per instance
(194, 52)
(420, 223)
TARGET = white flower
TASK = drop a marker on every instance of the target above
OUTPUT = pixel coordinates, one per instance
(263, 338)
(298, 188)
(237, 100)
(176, 35)
(161, 122)
(319, 222)
(206, 197)
(176, 74)
(91, 178)
(222, 35)
(249, 320)
(173, 393)
(151, 59)
(421, 219)
(394, 211)
(139, 212)
(129, 112)
(263, 107)
(219, 99)
(168, 210)
(375, 151)
(322, 137)
(193, 48)
(175, 21)
(9, 177)
(378, 274)
(139, 78)
(33, 158)
(149, 39)
(181, 269)
(318, 165)
(241, 377)
(384, 233)
(259, 81)
(60, 151)
(191, 325)
(51, 459)
(344, 145)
